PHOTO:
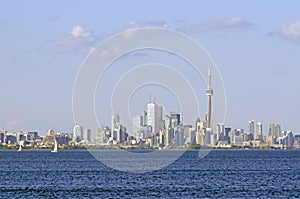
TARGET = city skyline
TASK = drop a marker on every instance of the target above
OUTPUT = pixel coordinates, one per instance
(155, 130)
(256, 54)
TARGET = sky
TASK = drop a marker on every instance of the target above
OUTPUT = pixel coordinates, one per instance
(254, 44)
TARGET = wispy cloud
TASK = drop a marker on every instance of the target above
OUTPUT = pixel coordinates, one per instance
(76, 39)
(217, 23)
(146, 23)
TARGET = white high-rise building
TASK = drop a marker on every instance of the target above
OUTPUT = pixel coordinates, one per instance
(219, 131)
(87, 135)
(116, 128)
(154, 116)
(275, 130)
(258, 133)
(77, 133)
(251, 127)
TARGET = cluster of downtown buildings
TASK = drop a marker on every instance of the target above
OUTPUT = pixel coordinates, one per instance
(152, 130)
(155, 131)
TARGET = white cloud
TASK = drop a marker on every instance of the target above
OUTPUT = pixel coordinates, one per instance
(291, 30)
(77, 38)
(216, 23)
(79, 31)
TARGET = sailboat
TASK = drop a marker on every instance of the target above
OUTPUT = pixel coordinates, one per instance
(20, 147)
(55, 146)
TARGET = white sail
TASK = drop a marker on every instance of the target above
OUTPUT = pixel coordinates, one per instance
(20, 147)
(55, 146)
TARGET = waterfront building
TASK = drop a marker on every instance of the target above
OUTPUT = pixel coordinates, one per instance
(297, 141)
(287, 140)
(162, 133)
(179, 137)
(87, 135)
(2, 135)
(251, 128)
(275, 130)
(116, 128)
(238, 139)
(259, 131)
(102, 134)
(77, 133)
(154, 116)
(200, 137)
(31, 135)
(137, 128)
(186, 133)
(168, 136)
(123, 134)
(226, 134)
(190, 139)
(219, 131)
(270, 140)
(63, 138)
(10, 138)
(176, 119)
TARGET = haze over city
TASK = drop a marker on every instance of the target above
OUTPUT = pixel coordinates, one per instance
(255, 46)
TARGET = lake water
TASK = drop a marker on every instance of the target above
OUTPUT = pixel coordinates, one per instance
(222, 174)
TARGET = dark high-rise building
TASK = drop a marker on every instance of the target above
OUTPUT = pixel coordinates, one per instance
(176, 117)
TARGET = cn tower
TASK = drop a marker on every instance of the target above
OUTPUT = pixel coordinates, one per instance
(209, 93)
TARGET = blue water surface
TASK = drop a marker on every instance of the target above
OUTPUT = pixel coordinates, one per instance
(222, 174)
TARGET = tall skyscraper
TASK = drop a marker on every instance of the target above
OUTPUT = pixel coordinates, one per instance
(271, 129)
(77, 133)
(219, 131)
(87, 135)
(167, 122)
(258, 133)
(275, 130)
(116, 128)
(209, 93)
(154, 116)
(251, 127)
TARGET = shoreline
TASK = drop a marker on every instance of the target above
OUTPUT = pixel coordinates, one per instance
(151, 149)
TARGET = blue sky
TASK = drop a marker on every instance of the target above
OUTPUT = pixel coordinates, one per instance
(255, 45)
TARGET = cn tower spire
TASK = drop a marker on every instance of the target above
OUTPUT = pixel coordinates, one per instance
(209, 76)
(209, 93)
